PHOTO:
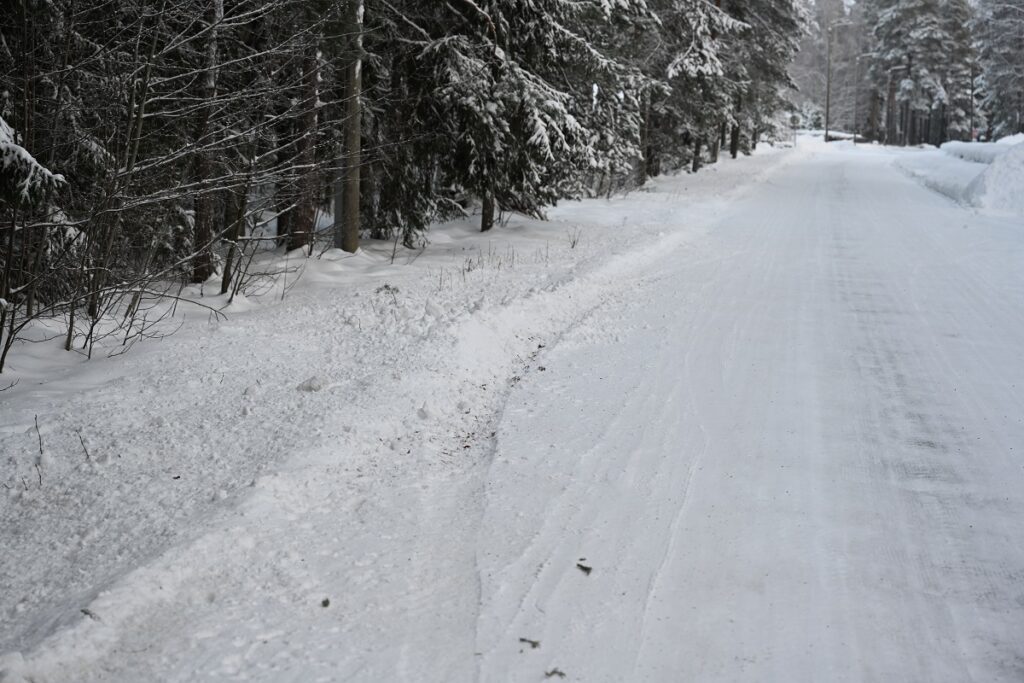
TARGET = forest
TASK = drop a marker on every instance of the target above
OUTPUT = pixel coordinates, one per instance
(909, 72)
(149, 144)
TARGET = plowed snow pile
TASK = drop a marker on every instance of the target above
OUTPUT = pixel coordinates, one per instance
(978, 152)
(985, 175)
(1000, 187)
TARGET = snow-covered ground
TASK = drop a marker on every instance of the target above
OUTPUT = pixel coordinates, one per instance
(760, 423)
(157, 461)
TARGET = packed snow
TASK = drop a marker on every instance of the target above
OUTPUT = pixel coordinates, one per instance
(758, 423)
(797, 460)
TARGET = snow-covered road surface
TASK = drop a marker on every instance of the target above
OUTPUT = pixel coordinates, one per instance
(795, 453)
(776, 434)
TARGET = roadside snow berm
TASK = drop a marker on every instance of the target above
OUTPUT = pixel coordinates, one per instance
(999, 187)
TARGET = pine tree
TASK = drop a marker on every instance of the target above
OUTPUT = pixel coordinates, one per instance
(922, 50)
(1000, 32)
(688, 92)
(188, 131)
(497, 102)
(759, 61)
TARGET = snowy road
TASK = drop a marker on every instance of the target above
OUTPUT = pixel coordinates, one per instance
(765, 424)
(794, 454)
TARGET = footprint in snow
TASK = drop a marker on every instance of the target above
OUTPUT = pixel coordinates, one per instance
(312, 384)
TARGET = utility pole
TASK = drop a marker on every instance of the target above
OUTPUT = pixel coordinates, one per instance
(828, 77)
(856, 103)
(828, 72)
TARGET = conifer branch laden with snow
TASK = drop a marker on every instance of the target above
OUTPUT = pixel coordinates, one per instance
(23, 180)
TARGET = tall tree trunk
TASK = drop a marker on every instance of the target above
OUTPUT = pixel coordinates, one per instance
(338, 185)
(904, 125)
(285, 195)
(487, 212)
(237, 206)
(970, 133)
(734, 138)
(873, 115)
(1020, 112)
(890, 112)
(644, 165)
(353, 127)
(338, 198)
(5, 281)
(202, 263)
(653, 153)
(304, 216)
(369, 199)
(285, 212)
(206, 203)
(696, 154)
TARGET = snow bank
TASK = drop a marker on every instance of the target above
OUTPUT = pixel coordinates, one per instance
(946, 174)
(1000, 187)
(978, 152)
(1014, 139)
(832, 134)
(989, 176)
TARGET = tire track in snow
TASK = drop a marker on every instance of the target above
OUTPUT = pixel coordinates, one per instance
(652, 587)
(830, 534)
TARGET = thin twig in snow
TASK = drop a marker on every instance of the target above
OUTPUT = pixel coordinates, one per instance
(88, 458)
(40, 436)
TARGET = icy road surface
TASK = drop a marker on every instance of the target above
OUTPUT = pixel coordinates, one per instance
(795, 454)
(764, 424)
